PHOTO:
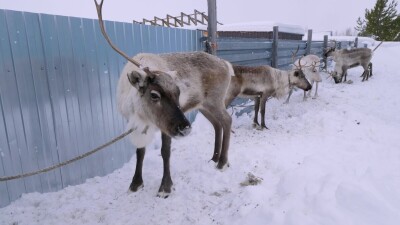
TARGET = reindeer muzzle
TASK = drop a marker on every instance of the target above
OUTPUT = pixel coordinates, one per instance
(183, 129)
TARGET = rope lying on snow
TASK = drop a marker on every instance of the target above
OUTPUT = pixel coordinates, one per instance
(68, 161)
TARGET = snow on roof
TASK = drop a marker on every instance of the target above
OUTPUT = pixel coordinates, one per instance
(259, 26)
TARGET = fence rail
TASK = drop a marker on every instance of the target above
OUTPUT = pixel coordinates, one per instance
(57, 95)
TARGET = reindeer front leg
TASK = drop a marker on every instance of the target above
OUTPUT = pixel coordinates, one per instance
(166, 182)
(137, 181)
(316, 90)
(256, 108)
(263, 100)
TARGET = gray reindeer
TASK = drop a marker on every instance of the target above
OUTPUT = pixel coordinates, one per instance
(346, 59)
(153, 93)
(262, 83)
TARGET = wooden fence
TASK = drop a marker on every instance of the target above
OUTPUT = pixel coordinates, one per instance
(57, 95)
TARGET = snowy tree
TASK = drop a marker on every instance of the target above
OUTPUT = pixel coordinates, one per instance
(382, 21)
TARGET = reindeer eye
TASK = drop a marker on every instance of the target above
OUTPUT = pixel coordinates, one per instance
(155, 96)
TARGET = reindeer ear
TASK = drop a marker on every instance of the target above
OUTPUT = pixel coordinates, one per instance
(138, 80)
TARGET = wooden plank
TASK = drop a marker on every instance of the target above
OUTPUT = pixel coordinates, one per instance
(243, 45)
(9, 98)
(245, 57)
(45, 146)
(27, 127)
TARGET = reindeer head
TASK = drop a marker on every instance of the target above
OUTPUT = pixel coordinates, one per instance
(297, 78)
(158, 94)
(159, 99)
(330, 50)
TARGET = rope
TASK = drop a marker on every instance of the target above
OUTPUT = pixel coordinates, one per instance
(69, 161)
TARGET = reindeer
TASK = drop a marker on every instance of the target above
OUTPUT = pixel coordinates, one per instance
(346, 59)
(153, 93)
(262, 83)
(310, 65)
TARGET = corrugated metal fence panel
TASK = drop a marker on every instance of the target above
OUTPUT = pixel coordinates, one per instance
(243, 51)
(58, 79)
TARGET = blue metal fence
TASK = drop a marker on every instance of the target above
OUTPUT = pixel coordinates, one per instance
(57, 95)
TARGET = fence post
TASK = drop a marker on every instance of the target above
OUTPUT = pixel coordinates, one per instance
(323, 51)
(212, 26)
(356, 43)
(274, 54)
(309, 40)
(339, 45)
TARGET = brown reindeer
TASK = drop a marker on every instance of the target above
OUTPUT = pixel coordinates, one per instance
(154, 92)
(262, 83)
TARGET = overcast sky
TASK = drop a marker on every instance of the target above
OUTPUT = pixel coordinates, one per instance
(319, 15)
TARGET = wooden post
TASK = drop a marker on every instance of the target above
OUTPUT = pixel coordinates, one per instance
(212, 26)
(323, 51)
(356, 43)
(309, 40)
(274, 53)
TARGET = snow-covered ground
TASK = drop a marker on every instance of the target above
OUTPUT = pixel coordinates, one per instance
(333, 160)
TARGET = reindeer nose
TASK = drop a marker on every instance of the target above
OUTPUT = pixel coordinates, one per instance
(184, 128)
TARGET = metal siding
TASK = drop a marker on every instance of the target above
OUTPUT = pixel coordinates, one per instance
(57, 92)
(71, 100)
(46, 140)
(123, 44)
(27, 124)
(95, 96)
(105, 95)
(4, 156)
(9, 97)
(80, 68)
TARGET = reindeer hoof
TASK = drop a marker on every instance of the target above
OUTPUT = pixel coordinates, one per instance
(163, 194)
(264, 127)
(165, 188)
(215, 158)
(222, 166)
(134, 187)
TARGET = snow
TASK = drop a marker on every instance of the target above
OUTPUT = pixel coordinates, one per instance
(332, 160)
(260, 26)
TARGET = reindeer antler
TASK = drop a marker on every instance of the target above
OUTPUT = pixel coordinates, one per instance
(103, 31)
(294, 53)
